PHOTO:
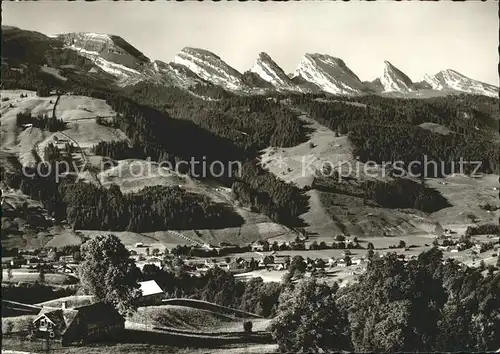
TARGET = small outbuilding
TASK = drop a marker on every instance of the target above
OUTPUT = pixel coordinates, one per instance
(152, 294)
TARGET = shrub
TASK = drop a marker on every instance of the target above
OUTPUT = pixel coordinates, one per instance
(43, 91)
(247, 326)
(7, 327)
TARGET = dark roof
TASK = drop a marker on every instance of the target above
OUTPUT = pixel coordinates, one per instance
(62, 318)
(98, 312)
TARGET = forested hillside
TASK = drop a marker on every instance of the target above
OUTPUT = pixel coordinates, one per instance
(210, 124)
(386, 129)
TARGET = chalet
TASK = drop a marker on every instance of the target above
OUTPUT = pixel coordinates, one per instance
(279, 266)
(13, 262)
(357, 261)
(66, 259)
(341, 263)
(212, 263)
(152, 294)
(85, 324)
(7, 208)
(258, 246)
(64, 268)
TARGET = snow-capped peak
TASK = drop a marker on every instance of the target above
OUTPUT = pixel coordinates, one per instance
(394, 79)
(268, 70)
(210, 67)
(172, 74)
(453, 80)
(330, 74)
(111, 53)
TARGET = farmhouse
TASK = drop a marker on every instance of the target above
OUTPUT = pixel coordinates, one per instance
(7, 208)
(258, 246)
(152, 294)
(81, 324)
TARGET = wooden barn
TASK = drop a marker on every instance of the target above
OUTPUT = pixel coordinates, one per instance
(90, 323)
(152, 294)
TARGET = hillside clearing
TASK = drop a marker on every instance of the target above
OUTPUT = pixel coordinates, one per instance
(32, 277)
(74, 110)
(194, 320)
(70, 301)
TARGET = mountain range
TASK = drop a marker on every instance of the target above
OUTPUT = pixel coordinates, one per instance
(315, 72)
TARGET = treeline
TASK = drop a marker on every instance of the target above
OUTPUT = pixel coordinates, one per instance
(210, 91)
(150, 209)
(404, 193)
(249, 122)
(425, 305)
(448, 319)
(154, 134)
(33, 293)
(386, 129)
(117, 150)
(40, 183)
(266, 194)
(51, 124)
(395, 193)
(53, 154)
(486, 229)
(218, 286)
(87, 206)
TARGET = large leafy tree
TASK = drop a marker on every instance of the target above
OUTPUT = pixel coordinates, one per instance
(394, 307)
(108, 273)
(308, 319)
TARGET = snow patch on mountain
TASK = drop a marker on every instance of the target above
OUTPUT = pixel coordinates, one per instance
(111, 53)
(175, 75)
(452, 80)
(210, 67)
(108, 66)
(330, 74)
(268, 70)
(394, 79)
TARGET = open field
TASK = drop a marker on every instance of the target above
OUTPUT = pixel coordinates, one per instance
(54, 72)
(298, 165)
(466, 195)
(129, 175)
(24, 275)
(17, 324)
(188, 327)
(302, 162)
(71, 109)
(193, 320)
(209, 306)
(18, 309)
(16, 345)
(71, 301)
(350, 215)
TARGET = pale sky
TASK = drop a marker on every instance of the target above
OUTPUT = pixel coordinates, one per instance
(416, 37)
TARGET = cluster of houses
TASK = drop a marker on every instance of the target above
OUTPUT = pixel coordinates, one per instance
(46, 259)
(447, 243)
